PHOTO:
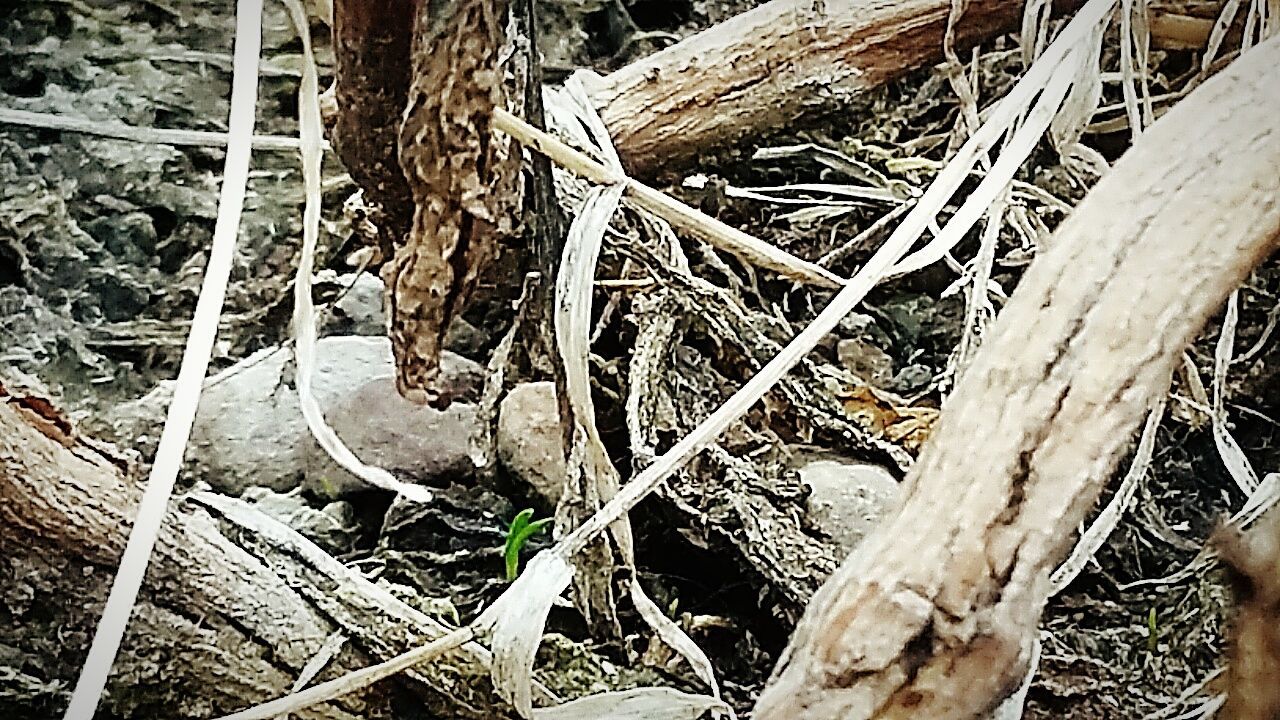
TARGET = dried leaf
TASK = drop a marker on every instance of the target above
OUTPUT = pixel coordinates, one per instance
(464, 179)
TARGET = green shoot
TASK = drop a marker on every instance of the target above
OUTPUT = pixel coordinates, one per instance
(518, 533)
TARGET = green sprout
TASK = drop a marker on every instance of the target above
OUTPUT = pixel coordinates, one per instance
(518, 533)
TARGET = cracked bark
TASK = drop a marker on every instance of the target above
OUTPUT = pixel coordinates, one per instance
(234, 606)
(371, 43)
(772, 65)
(933, 614)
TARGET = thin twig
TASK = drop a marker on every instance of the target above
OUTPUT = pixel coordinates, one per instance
(863, 239)
(195, 363)
(722, 236)
(133, 133)
(351, 682)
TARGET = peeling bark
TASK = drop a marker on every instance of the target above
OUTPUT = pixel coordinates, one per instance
(775, 64)
(933, 614)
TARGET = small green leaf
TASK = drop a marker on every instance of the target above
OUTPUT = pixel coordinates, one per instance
(519, 522)
(518, 533)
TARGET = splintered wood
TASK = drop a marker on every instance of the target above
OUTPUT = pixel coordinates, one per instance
(464, 179)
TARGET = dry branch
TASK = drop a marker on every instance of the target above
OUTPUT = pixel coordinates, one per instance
(932, 616)
(223, 580)
(371, 42)
(775, 64)
(715, 232)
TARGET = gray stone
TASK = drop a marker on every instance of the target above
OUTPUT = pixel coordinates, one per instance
(250, 431)
(847, 498)
(864, 359)
(412, 442)
(528, 439)
(361, 305)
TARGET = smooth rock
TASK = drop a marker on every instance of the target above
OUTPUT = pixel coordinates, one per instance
(250, 431)
(412, 442)
(847, 498)
(866, 360)
(528, 439)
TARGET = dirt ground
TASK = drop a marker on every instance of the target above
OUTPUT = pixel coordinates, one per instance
(103, 242)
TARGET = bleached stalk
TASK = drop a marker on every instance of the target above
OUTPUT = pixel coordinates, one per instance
(195, 363)
(133, 133)
(1228, 449)
(304, 321)
(357, 680)
(722, 236)
(1093, 538)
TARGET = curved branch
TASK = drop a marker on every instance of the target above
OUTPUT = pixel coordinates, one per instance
(932, 615)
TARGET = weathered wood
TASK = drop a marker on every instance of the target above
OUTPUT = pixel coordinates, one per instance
(234, 606)
(933, 614)
(774, 65)
(371, 40)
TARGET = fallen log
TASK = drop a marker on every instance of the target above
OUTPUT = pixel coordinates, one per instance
(933, 615)
(234, 607)
(791, 59)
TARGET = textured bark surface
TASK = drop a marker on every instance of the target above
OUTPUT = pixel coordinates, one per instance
(775, 64)
(371, 40)
(235, 604)
(465, 181)
(932, 615)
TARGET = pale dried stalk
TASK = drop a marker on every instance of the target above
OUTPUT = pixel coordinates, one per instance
(1093, 538)
(133, 133)
(722, 236)
(1228, 449)
(304, 322)
(195, 363)
(572, 330)
(332, 646)
(357, 680)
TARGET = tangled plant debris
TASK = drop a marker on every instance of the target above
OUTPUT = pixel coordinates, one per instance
(102, 241)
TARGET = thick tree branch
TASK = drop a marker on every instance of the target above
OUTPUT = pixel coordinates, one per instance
(932, 615)
(774, 65)
(233, 608)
